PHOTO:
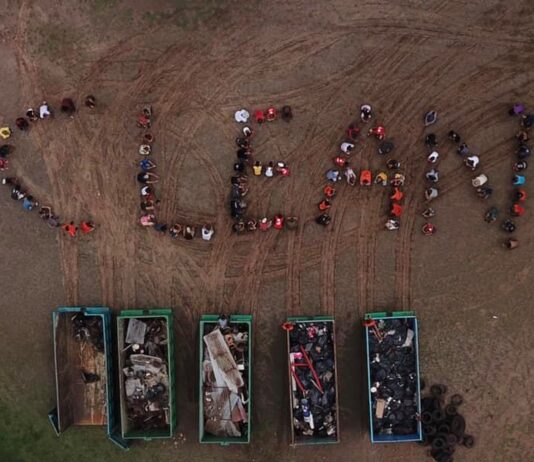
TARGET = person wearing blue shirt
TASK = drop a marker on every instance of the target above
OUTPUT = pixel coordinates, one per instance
(146, 165)
(519, 180)
(28, 203)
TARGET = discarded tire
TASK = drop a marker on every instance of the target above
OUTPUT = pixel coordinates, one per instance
(438, 390)
(426, 418)
(438, 443)
(451, 410)
(438, 416)
(446, 431)
(468, 441)
(458, 426)
(457, 400)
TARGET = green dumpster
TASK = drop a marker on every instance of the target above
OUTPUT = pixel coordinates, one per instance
(146, 373)
(312, 369)
(225, 379)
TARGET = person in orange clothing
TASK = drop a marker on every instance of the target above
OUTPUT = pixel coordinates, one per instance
(517, 210)
(70, 229)
(397, 195)
(329, 191)
(87, 227)
(325, 204)
(396, 210)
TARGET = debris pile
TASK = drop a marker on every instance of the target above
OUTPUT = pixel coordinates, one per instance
(393, 376)
(225, 371)
(88, 329)
(146, 382)
(443, 426)
(312, 366)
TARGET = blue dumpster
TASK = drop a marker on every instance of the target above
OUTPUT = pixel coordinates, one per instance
(84, 370)
(393, 380)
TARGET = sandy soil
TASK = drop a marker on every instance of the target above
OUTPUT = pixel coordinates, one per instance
(196, 64)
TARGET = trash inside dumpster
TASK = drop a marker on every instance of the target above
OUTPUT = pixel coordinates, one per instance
(225, 379)
(146, 387)
(393, 377)
(312, 380)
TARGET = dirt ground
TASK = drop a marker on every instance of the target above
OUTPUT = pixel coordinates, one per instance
(196, 63)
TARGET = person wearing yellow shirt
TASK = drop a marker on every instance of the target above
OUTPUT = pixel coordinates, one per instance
(257, 168)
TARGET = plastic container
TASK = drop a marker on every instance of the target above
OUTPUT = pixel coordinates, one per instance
(302, 409)
(128, 428)
(84, 370)
(411, 323)
(243, 323)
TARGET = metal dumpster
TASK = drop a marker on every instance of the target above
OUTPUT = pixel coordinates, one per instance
(145, 343)
(225, 379)
(393, 376)
(312, 372)
(84, 370)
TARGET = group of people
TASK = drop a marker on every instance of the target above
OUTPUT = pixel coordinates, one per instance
(519, 195)
(342, 168)
(18, 193)
(147, 178)
(432, 175)
(239, 180)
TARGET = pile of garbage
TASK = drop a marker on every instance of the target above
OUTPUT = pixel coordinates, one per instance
(443, 426)
(146, 382)
(393, 376)
(313, 379)
(225, 371)
(88, 329)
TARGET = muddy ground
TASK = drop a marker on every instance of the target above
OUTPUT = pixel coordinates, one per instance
(196, 62)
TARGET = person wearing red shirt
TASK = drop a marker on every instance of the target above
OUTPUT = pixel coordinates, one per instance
(378, 132)
(324, 205)
(521, 195)
(340, 161)
(428, 229)
(278, 221)
(70, 229)
(517, 210)
(397, 195)
(265, 224)
(329, 191)
(87, 227)
(396, 210)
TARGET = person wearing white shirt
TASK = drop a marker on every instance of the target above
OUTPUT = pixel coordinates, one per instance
(433, 157)
(347, 147)
(269, 170)
(472, 162)
(207, 232)
(44, 111)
